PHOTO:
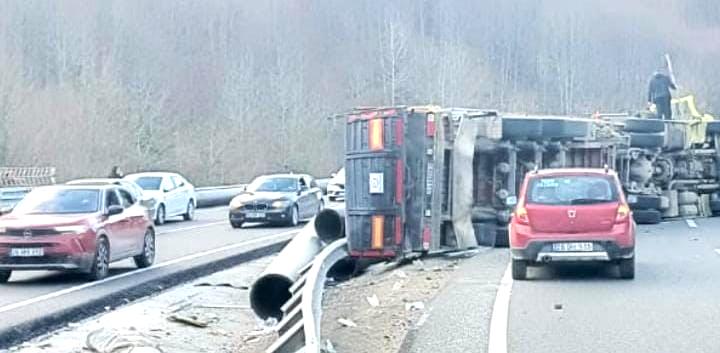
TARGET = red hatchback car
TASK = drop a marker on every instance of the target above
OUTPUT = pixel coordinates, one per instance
(75, 228)
(572, 215)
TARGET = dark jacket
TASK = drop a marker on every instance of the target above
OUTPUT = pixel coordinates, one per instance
(660, 86)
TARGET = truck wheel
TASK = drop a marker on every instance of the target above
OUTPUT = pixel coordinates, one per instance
(715, 206)
(627, 268)
(644, 125)
(643, 140)
(5, 275)
(688, 210)
(713, 127)
(519, 270)
(644, 202)
(502, 238)
(647, 216)
(687, 198)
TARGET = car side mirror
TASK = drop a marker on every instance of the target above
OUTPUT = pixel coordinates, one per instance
(511, 201)
(182, 183)
(333, 175)
(114, 210)
(166, 190)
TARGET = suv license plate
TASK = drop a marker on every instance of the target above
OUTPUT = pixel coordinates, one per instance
(256, 215)
(562, 247)
(27, 252)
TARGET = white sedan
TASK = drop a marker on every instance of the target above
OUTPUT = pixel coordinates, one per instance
(174, 194)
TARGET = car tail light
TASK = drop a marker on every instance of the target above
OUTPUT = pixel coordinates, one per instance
(521, 215)
(375, 134)
(377, 233)
(623, 213)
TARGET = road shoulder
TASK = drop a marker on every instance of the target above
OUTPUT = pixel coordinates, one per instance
(459, 316)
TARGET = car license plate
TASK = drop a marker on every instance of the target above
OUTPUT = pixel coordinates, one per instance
(573, 247)
(256, 215)
(27, 252)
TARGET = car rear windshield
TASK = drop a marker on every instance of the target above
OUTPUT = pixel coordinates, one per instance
(279, 184)
(59, 201)
(149, 183)
(571, 190)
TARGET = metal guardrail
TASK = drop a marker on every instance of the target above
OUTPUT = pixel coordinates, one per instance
(299, 329)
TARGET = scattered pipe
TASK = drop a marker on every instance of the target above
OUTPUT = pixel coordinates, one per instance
(330, 225)
(272, 289)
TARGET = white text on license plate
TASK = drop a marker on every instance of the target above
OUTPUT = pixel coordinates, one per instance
(27, 252)
(256, 215)
(573, 247)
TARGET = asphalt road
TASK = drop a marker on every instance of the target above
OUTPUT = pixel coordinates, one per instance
(671, 306)
(176, 239)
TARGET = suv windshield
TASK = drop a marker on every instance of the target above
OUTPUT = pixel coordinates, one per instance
(280, 184)
(59, 201)
(149, 183)
(571, 190)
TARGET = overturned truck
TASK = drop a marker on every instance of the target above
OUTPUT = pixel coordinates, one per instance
(426, 179)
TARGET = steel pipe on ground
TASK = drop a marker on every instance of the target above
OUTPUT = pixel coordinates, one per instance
(272, 289)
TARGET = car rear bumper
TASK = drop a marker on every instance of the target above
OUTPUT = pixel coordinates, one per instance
(542, 252)
(81, 262)
(272, 216)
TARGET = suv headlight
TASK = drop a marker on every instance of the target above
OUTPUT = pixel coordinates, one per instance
(72, 229)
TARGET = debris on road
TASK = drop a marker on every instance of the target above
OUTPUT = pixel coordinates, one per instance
(558, 306)
(691, 223)
(414, 306)
(400, 274)
(373, 301)
(129, 341)
(224, 284)
(192, 321)
(347, 322)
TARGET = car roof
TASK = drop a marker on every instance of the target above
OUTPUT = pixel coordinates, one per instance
(572, 171)
(76, 187)
(152, 174)
(284, 175)
(96, 181)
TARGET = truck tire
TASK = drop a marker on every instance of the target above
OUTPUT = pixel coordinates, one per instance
(647, 216)
(674, 139)
(644, 202)
(627, 268)
(485, 233)
(687, 198)
(644, 125)
(715, 206)
(502, 238)
(713, 127)
(643, 140)
(688, 210)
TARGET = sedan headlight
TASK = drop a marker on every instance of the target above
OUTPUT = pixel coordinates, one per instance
(236, 203)
(72, 229)
(280, 204)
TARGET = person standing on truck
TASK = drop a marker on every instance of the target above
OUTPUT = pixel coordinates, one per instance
(116, 173)
(659, 94)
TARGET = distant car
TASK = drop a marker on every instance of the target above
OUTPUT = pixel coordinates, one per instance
(571, 216)
(174, 195)
(336, 186)
(279, 198)
(148, 201)
(10, 196)
(79, 228)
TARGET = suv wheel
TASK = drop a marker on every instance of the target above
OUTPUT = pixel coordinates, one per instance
(627, 268)
(147, 257)
(519, 269)
(160, 216)
(101, 262)
(190, 213)
(236, 225)
(5, 275)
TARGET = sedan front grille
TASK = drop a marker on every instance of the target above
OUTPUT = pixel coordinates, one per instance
(256, 207)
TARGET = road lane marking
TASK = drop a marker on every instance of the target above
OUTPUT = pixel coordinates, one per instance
(691, 223)
(717, 251)
(175, 230)
(497, 340)
(190, 257)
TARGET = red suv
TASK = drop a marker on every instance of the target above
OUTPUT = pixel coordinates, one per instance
(75, 228)
(572, 215)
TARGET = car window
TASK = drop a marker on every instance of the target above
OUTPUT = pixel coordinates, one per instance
(133, 188)
(111, 199)
(59, 201)
(169, 184)
(571, 190)
(178, 180)
(149, 183)
(303, 183)
(126, 198)
(273, 184)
